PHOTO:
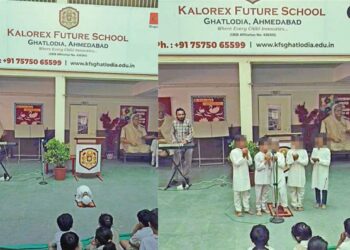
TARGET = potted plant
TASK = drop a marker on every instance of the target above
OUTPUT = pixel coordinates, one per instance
(57, 153)
(253, 150)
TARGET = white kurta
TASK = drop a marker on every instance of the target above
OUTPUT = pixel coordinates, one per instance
(241, 181)
(320, 171)
(296, 176)
(262, 170)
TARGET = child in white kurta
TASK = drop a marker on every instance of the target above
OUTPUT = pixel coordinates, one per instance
(280, 161)
(297, 160)
(241, 160)
(321, 160)
(263, 164)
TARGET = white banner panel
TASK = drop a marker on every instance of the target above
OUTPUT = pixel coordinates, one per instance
(80, 38)
(88, 158)
(254, 27)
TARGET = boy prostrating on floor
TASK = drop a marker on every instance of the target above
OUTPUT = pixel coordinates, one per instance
(241, 160)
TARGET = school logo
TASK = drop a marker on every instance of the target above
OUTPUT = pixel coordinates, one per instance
(69, 17)
(88, 158)
(253, 1)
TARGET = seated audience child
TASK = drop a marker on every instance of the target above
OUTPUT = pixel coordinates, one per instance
(106, 220)
(70, 241)
(302, 233)
(65, 224)
(151, 242)
(260, 235)
(344, 241)
(140, 231)
(102, 240)
(317, 243)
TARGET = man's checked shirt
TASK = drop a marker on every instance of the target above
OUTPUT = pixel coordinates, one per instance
(182, 131)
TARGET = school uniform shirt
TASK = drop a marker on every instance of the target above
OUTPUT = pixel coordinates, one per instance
(141, 234)
(345, 245)
(149, 243)
(241, 181)
(320, 170)
(262, 170)
(296, 176)
(302, 245)
(281, 163)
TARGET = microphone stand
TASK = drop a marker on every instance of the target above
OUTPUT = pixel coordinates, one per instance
(276, 218)
(42, 182)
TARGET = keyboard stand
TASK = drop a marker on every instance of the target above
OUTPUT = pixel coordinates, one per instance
(177, 169)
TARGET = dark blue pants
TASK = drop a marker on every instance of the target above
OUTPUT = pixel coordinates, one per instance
(318, 196)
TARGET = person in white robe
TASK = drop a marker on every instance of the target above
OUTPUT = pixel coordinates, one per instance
(297, 159)
(337, 128)
(263, 166)
(321, 160)
(133, 137)
(241, 160)
(279, 178)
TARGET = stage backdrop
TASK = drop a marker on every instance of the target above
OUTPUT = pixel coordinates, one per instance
(143, 111)
(208, 108)
(82, 38)
(28, 114)
(254, 27)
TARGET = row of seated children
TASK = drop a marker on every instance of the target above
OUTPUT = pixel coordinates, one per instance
(302, 234)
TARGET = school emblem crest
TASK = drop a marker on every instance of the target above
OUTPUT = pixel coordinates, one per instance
(253, 1)
(69, 17)
(88, 158)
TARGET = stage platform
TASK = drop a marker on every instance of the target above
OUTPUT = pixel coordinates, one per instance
(202, 218)
(29, 210)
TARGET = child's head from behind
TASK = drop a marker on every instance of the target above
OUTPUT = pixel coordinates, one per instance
(103, 235)
(347, 227)
(240, 141)
(65, 222)
(153, 221)
(317, 243)
(301, 231)
(143, 216)
(260, 235)
(69, 241)
(263, 145)
(106, 220)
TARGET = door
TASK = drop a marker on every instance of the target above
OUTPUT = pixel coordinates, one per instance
(275, 114)
(83, 123)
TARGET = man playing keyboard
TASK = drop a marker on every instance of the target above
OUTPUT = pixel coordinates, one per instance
(182, 132)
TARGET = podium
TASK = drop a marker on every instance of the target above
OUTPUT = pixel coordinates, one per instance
(88, 156)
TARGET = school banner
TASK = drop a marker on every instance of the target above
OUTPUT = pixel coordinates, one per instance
(254, 27)
(78, 38)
